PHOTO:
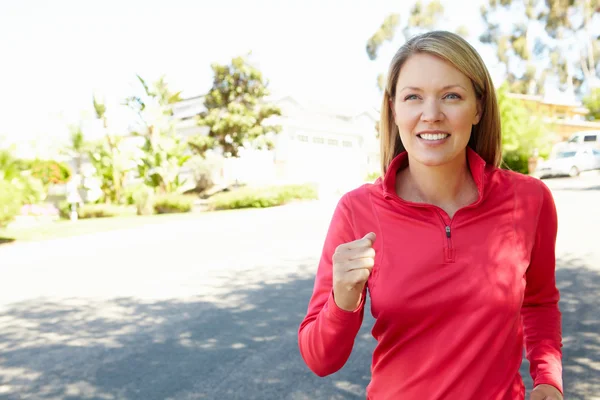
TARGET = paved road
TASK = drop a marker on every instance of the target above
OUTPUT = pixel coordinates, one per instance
(209, 308)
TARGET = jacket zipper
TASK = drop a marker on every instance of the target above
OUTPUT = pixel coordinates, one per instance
(449, 255)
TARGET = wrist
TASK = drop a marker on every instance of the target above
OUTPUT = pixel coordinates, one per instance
(350, 302)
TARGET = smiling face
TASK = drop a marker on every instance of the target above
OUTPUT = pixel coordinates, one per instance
(434, 107)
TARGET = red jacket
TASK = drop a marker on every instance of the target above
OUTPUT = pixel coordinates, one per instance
(453, 299)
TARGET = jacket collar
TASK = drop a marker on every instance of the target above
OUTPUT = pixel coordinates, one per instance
(476, 165)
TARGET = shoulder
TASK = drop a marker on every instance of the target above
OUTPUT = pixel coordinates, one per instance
(358, 201)
(362, 192)
(530, 193)
(525, 186)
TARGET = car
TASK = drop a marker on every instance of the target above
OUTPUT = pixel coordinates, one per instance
(569, 163)
(586, 138)
(579, 140)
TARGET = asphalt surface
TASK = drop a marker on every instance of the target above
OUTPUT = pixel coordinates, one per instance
(209, 308)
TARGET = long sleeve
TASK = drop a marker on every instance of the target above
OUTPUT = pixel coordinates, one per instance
(540, 312)
(327, 333)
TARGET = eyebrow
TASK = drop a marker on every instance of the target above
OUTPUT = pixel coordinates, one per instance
(444, 88)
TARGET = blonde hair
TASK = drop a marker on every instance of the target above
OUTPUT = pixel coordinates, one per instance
(486, 135)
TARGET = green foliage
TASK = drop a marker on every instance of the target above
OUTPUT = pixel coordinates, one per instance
(17, 187)
(112, 163)
(32, 189)
(260, 197)
(592, 102)
(517, 161)
(87, 211)
(142, 197)
(64, 209)
(372, 177)
(164, 153)
(173, 203)
(50, 171)
(202, 169)
(99, 109)
(522, 133)
(385, 33)
(236, 112)
(10, 167)
(423, 16)
(566, 49)
(162, 159)
(102, 211)
(10, 202)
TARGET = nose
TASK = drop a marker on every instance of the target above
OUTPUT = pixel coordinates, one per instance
(432, 111)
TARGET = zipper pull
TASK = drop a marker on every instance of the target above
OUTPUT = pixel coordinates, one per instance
(448, 232)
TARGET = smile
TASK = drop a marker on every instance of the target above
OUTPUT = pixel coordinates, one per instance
(433, 136)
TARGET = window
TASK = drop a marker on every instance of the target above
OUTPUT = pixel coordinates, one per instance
(589, 138)
(596, 152)
(566, 154)
(332, 142)
(303, 138)
(318, 140)
(347, 143)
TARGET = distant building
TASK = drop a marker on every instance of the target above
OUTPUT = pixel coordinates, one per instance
(562, 114)
(315, 145)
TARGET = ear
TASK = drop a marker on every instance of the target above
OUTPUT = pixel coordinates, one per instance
(477, 117)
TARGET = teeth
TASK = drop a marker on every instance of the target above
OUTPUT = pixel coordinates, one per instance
(433, 136)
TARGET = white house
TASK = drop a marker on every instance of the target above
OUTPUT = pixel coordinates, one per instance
(315, 145)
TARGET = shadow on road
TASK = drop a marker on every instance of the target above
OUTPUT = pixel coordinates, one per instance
(240, 346)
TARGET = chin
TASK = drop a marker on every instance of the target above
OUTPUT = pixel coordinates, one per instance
(434, 158)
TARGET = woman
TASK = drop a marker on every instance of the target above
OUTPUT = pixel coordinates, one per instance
(457, 255)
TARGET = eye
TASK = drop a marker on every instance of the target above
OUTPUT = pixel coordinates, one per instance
(411, 97)
(452, 96)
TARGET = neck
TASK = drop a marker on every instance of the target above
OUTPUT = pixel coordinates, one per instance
(440, 185)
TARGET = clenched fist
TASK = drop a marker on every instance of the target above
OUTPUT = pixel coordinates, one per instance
(352, 265)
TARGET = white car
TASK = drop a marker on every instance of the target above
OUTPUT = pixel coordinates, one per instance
(569, 162)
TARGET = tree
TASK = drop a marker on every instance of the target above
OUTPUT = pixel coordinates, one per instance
(111, 164)
(17, 187)
(163, 151)
(536, 40)
(592, 102)
(522, 132)
(236, 111)
(108, 159)
(422, 17)
(77, 146)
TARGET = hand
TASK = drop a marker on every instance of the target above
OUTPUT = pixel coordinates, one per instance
(545, 392)
(352, 265)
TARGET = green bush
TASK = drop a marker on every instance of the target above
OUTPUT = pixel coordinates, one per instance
(173, 203)
(372, 177)
(144, 201)
(32, 189)
(142, 197)
(50, 171)
(64, 209)
(516, 161)
(101, 211)
(260, 197)
(10, 202)
(297, 192)
(88, 211)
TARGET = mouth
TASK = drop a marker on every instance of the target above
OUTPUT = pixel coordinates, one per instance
(433, 136)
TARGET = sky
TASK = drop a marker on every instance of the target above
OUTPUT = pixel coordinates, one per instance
(55, 55)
